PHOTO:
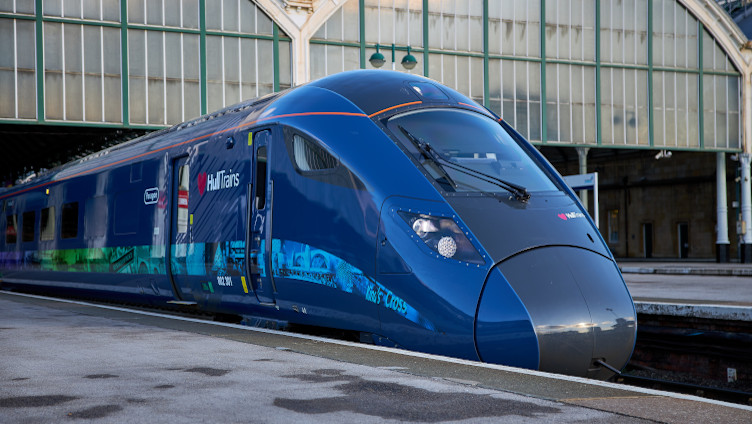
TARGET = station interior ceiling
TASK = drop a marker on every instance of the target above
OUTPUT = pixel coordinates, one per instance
(33, 148)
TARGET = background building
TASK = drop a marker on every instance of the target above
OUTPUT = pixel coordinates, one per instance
(603, 85)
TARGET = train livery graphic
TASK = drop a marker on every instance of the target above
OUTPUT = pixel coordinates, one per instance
(374, 202)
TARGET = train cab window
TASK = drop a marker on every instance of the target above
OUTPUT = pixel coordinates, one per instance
(469, 152)
(27, 226)
(311, 157)
(47, 224)
(69, 221)
(11, 231)
(261, 178)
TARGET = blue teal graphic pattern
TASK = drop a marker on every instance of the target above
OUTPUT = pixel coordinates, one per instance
(300, 261)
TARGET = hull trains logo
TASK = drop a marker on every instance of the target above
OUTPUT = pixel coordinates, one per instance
(217, 181)
(201, 183)
(571, 215)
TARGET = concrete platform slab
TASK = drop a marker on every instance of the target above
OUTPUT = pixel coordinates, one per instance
(72, 361)
(630, 266)
(690, 289)
(714, 312)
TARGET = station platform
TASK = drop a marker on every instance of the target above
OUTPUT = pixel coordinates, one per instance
(78, 361)
(631, 266)
(694, 289)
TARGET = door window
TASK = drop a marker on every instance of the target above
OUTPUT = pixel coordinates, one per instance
(10, 229)
(183, 187)
(261, 177)
(47, 224)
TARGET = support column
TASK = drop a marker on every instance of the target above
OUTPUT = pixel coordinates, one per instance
(582, 155)
(301, 60)
(722, 240)
(746, 247)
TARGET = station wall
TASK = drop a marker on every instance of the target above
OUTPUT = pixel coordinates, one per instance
(644, 200)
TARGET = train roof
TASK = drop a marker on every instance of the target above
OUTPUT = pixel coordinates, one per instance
(140, 146)
(375, 91)
(371, 91)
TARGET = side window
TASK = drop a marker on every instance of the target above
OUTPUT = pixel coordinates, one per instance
(69, 221)
(11, 229)
(28, 223)
(47, 224)
(312, 160)
(311, 157)
(261, 178)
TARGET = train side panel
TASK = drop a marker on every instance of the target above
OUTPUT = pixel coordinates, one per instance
(85, 233)
(112, 233)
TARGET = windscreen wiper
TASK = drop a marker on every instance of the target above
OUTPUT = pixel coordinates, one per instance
(428, 153)
(519, 192)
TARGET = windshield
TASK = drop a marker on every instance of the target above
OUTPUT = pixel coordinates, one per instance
(470, 140)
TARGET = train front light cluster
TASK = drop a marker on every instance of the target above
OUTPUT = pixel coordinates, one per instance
(443, 236)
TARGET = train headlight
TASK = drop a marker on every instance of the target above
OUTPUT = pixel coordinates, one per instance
(424, 226)
(443, 236)
(447, 247)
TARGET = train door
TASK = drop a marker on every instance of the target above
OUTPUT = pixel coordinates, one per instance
(179, 226)
(259, 242)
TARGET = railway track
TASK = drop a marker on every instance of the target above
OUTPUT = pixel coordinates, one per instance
(716, 393)
(698, 356)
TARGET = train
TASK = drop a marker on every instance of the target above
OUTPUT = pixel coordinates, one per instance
(374, 202)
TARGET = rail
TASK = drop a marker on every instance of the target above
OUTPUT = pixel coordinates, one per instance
(701, 356)
(709, 392)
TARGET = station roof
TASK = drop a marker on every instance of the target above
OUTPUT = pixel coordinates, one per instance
(31, 148)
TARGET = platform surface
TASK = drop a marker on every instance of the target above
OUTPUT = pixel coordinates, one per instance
(697, 289)
(66, 361)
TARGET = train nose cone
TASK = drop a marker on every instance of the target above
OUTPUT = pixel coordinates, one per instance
(579, 307)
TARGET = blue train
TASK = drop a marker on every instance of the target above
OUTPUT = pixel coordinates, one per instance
(369, 201)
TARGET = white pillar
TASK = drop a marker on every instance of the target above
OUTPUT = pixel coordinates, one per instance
(747, 111)
(582, 155)
(301, 60)
(746, 248)
(722, 240)
(746, 206)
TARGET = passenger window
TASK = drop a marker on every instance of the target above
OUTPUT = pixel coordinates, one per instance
(47, 224)
(311, 157)
(261, 177)
(11, 229)
(28, 224)
(69, 221)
